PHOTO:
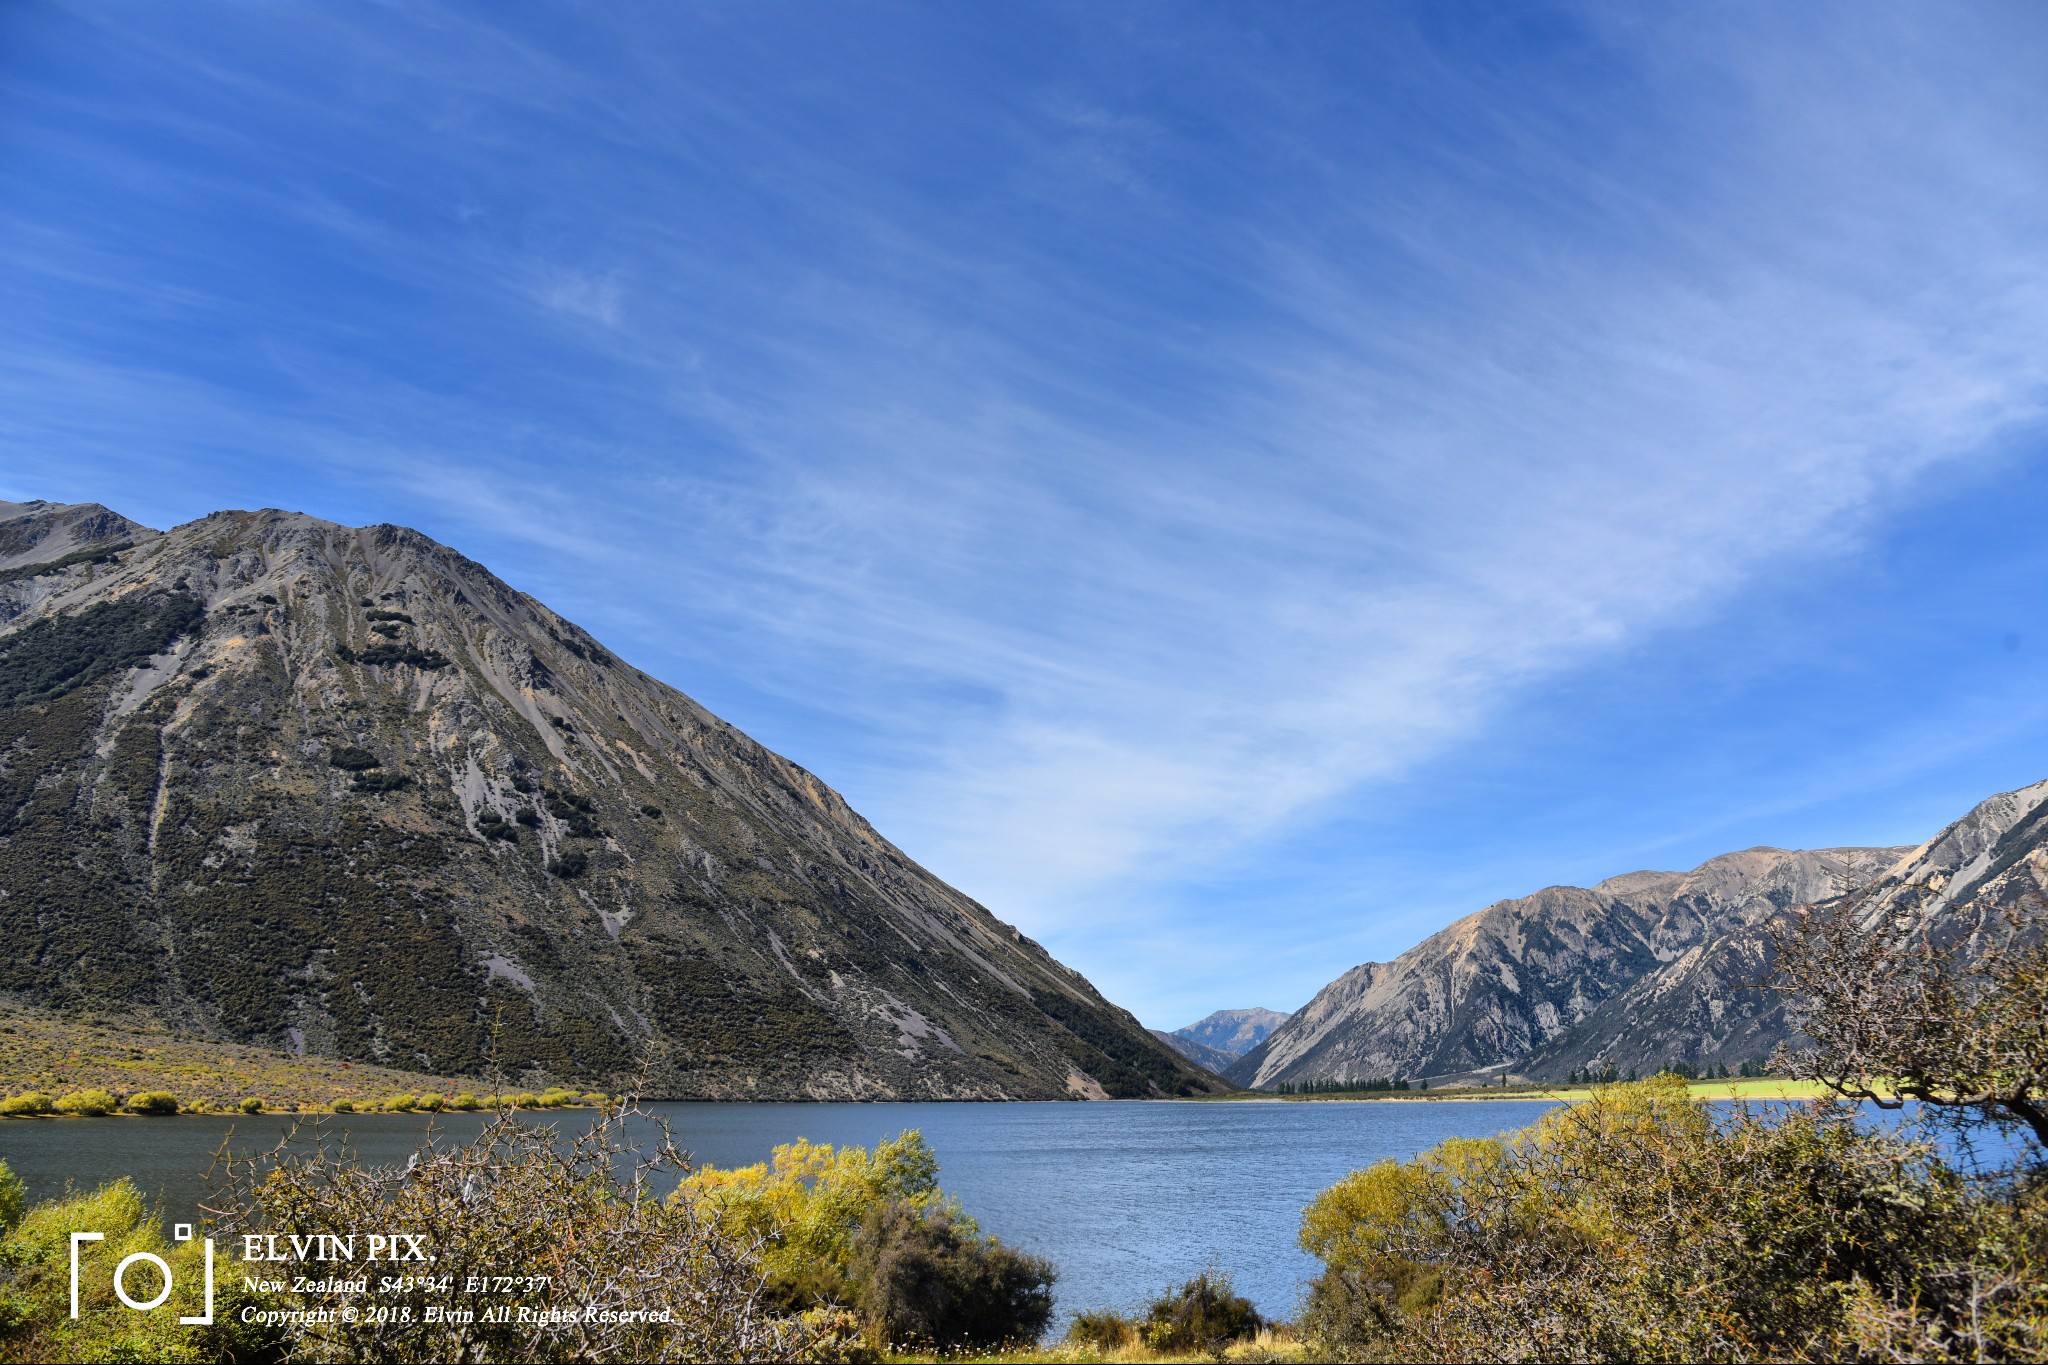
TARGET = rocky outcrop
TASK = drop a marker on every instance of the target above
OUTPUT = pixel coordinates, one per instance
(343, 790)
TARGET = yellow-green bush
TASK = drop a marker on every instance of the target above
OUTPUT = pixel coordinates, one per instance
(846, 1227)
(34, 1102)
(1640, 1225)
(805, 1204)
(89, 1102)
(465, 1102)
(251, 1105)
(430, 1104)
(35, 1286)
(1205, 1314)
(158, 1102)
(342, 1107)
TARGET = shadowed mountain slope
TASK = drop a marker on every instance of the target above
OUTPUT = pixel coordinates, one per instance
(342, 790)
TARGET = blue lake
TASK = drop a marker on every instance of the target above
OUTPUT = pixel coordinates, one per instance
(1125, 1198)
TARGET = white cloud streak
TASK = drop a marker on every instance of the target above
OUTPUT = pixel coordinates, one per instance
(1122, 585)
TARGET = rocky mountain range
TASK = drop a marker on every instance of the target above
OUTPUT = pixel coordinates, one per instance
(1219, 1038)
(276, 780)
(1643, 970)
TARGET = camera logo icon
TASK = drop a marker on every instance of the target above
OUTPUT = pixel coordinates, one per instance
(182, 1233)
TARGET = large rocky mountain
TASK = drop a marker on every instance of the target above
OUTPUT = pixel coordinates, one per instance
(282, 781)
(1219, 1038)
(1651, 968)
(1981, 879)
(1233, 1031)
(1541, 977)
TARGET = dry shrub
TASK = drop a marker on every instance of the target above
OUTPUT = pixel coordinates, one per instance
(928, 1276)
(1205, 1314)
(1642, 1226)
(577, 1221)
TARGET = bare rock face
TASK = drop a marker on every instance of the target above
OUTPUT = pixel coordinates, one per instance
(1232, 1032)
(1981, 880)
(1201, 1054)
(1543, 979)
(342, 790)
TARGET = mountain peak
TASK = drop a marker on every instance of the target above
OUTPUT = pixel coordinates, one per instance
(342, 789)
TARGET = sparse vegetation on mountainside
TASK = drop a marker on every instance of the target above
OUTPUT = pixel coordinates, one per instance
(379, 806)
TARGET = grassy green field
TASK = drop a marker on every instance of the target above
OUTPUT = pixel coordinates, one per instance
(41, 1050)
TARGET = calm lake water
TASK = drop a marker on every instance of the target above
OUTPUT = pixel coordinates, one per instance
(1126, 1198)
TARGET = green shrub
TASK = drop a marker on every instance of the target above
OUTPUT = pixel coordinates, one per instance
(34, 1102)
(465, 1102)
(570, 865)
(1641, 1225)
(525, 1099)
(351, 759)
(251, 1105)
(1103, 1329)
(400, 1104)
(929, 1276)
(380, 782)
(13, 1199)
(1205, 1314)
(870, 1229)
(555, 1097)
(342, 1107)
(90, 1102)
(153, 1102)
(59, 654)
(430, 1104)
(35, 1287)
(651, 812)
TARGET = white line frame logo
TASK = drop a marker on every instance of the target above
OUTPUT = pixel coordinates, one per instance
(182, 1233)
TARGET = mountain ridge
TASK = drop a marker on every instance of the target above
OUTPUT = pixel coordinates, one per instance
(1493, 988)
(344, 790)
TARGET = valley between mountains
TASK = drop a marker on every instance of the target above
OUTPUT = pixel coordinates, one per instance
(342, 791)
(272, 781)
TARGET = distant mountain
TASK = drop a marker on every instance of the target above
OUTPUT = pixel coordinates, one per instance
(1702, 1007)
(1201, 1054)
(1231, 1032)
(1503, 989)
(342, 790)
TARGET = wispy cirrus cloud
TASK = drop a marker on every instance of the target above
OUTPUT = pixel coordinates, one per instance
(1105, 456)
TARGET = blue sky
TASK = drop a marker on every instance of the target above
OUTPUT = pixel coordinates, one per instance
(1233, 488)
